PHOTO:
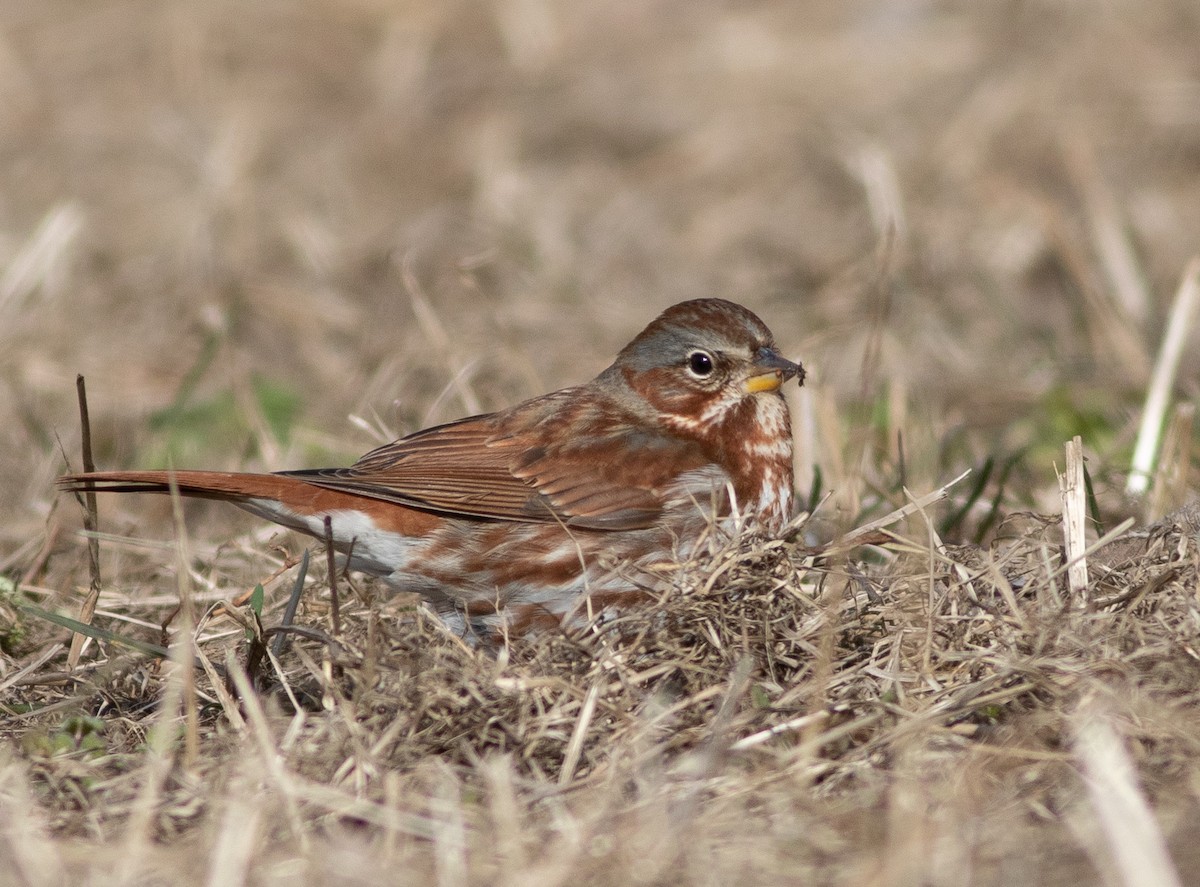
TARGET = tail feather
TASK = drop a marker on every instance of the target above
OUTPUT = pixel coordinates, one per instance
(221, 485)
(290, 501)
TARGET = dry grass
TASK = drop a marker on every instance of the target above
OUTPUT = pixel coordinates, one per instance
(245, 223)
(792, 711)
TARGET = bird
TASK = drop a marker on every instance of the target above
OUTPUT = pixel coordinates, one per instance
(560, 508)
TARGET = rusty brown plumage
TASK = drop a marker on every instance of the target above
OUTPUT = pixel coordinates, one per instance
(512, 519)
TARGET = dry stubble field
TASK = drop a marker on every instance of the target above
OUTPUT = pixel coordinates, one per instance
(272, 235)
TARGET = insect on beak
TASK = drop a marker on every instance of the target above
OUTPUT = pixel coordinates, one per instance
(770, 371)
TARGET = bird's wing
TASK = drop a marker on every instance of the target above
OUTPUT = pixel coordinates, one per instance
(554, 459)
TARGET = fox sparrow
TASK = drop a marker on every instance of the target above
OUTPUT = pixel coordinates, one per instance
(560, 506)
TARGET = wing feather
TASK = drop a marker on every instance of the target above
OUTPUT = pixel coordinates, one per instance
(558, 458)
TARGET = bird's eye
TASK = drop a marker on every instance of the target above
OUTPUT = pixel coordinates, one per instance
(700, 363)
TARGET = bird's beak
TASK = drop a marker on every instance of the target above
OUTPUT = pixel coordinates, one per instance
(770, 371)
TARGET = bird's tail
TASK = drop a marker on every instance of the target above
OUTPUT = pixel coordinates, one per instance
(222, 485)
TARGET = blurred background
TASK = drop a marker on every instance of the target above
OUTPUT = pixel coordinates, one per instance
(274, 234)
